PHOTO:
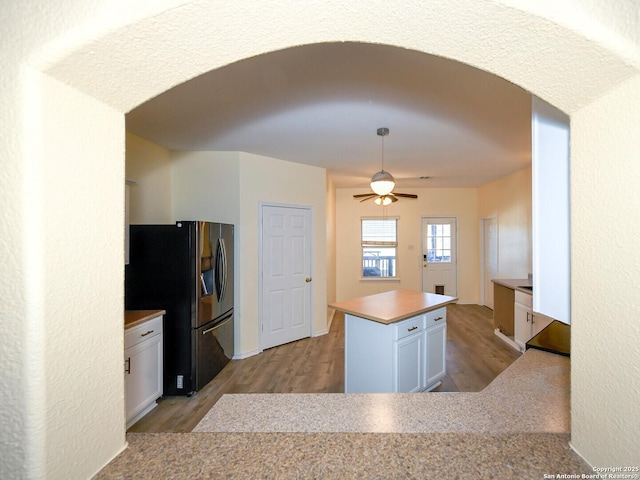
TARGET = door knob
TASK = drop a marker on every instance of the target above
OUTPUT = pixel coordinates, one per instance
(308, 279)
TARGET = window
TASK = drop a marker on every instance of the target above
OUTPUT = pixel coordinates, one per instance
(439, 243)
(379, 243)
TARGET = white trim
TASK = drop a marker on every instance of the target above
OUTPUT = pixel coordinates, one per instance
(507, 340)
(422, 238)
(244, 355)
(481, 256)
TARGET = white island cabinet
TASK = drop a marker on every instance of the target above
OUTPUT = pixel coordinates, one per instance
(142, 362)
(394, 341)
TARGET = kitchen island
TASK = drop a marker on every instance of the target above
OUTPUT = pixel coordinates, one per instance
(394, 341)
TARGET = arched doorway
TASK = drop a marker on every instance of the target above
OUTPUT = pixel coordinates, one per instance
(80, 104)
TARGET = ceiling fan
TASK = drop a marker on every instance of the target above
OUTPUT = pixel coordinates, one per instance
(382, 183)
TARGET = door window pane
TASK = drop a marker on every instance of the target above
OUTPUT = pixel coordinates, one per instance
(439, 243)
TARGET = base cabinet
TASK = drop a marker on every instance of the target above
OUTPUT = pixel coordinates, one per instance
(409, 371)
(527, 324)
(143, 368)
(436, 339)
(407, 356)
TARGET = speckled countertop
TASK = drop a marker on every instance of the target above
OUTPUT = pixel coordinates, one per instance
(392, 306)
(517, 427)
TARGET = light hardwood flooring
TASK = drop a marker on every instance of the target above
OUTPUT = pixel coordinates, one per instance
(475, 356)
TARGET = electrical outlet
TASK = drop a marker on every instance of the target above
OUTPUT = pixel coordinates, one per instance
(180, 381)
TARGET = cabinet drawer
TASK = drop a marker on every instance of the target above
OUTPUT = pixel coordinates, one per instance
(139, 333)
(435, 317)
(409, 327)
(524, 299)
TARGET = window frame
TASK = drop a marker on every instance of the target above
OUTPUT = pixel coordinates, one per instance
(382, 245)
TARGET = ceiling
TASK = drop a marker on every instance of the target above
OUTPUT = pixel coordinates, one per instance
(321, 105)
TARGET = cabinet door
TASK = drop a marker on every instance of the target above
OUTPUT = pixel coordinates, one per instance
(436, 340)
(143, 375)
(409, 357)
(522, 325)
(538, 323)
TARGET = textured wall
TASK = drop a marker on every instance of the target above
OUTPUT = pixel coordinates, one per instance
(605, 299)
(119, 53)
(509, 200)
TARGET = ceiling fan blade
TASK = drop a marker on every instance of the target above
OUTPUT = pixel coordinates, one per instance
(405, 195)
(360, 195)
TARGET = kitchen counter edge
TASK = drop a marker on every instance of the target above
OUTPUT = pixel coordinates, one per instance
(393, 306)
(515, 284)
(136, 317)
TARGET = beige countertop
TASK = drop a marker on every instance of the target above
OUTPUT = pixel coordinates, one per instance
(515, 284)
(136, 317)
(393, 306)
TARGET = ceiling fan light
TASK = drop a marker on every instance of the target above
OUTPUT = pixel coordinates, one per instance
(382, 183)
(383, 200)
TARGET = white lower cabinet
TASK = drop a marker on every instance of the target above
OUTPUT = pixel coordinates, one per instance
(407, 356)
(526, 323)
(436, 340)
(143, 368)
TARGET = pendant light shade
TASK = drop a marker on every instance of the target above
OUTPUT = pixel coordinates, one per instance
(382, 183)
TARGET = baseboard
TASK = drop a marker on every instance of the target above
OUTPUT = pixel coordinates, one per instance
(507, 340)
(582, 457)
(240, 356)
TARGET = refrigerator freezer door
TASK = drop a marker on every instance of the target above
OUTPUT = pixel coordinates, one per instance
(214, 349)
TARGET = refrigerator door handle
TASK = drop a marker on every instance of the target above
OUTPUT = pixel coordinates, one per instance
(224, 268)
(221, 269)
(219, 279)
(224, 322)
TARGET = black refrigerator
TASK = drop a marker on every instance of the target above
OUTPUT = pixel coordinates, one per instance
(187, 270)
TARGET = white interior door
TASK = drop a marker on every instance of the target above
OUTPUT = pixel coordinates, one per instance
(286, 274)
(489, 258)
(439, 256)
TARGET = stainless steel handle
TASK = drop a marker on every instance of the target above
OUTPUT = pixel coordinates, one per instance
(412, 329)
(128, 367)
(145, 334)
(217, 326)
(308, 279)
(224, 268)
(527, 317)
(437, 319)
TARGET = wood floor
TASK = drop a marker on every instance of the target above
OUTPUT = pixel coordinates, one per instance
(475, 356)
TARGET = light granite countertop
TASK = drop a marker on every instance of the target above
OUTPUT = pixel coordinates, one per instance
(517, 427)
(393, 306)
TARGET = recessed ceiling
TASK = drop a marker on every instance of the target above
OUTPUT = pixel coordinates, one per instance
(322, 104)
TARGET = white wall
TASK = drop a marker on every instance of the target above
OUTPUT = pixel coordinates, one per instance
(267, 180)
(605, 304)
(509, 200)
(438, 202)
(148, 164)
(229, 187)
(331, 243)
(550, 159)
(121, 54)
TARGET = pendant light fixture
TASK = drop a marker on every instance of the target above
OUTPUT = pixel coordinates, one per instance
(382, 183)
